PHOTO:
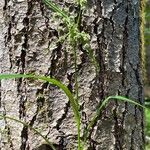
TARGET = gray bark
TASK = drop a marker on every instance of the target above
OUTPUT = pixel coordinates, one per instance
(27, 35)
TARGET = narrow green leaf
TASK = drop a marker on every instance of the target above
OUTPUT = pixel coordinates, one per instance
(55, 82)
(27, 125)
(55, 8)
(93, 120)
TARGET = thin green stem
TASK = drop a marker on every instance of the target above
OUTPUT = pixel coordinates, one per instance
(79, 139)
(79, 16)
(76, 73)
(77, 90)
(74, 44)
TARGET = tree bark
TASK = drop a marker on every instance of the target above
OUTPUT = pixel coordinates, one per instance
(27, 45)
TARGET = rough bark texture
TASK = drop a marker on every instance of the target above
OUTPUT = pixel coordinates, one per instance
(27, 35)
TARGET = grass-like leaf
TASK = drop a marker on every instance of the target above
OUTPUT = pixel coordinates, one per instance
(73, 102)
(93, 120)
(50, 80)
(56, 9)
(33, 129)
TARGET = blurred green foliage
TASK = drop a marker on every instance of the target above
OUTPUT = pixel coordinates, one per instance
(147, 128)
(147, 120)
(147, 123)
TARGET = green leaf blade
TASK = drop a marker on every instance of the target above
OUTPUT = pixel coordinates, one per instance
(53, 81)
(56, 9)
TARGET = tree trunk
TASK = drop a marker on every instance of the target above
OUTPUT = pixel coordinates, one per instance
(27, 45)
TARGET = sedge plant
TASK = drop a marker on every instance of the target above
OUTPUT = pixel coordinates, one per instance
(74, 107)
(72, 35)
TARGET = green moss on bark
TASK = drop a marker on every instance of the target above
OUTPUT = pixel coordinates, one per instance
(141, 37)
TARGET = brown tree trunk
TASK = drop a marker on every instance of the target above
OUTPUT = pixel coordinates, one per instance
(27, 35)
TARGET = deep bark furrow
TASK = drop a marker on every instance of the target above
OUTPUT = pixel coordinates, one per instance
(60, 120)
(24, 137)
(56, 54)
(9, 137)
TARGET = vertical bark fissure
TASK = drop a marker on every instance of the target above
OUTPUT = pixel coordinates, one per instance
(118, 132)
(21, 82)
(63, 116)
(56, 54)
(9, 136)
(8, 36)
(124, 47)
(101, 48)
(24, 137)
(132, 140)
